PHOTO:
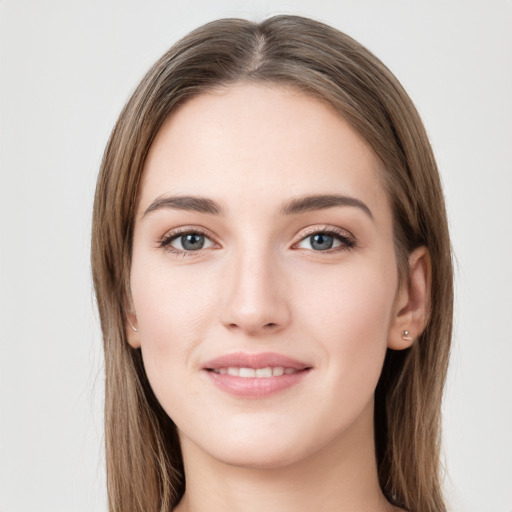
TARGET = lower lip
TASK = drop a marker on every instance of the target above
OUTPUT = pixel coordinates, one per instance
(255, 387)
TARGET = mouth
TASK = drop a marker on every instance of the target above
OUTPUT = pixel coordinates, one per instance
(255, 375)
(258, 373)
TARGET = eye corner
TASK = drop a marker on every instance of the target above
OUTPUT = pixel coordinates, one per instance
(335, 240)
(166, 242)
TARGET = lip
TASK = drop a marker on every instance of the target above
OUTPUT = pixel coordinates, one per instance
(261, 360)
(255, 387)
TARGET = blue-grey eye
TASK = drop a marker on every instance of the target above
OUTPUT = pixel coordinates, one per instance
(191, 242)
(321, 241)
(325, 240)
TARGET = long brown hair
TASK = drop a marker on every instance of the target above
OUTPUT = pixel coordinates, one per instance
(144, 465)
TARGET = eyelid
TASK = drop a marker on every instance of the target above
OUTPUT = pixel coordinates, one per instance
(347, 238)
(164, 241)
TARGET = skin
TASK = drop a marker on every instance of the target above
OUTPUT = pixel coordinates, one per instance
(259, 285)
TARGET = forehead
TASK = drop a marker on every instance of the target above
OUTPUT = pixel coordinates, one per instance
(260, 144)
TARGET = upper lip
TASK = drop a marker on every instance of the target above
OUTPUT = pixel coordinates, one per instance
(261, 360)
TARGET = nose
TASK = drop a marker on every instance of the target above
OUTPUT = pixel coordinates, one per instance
(256, 301)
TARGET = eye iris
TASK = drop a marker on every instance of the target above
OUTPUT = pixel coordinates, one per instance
(192, 242)
(321, 241)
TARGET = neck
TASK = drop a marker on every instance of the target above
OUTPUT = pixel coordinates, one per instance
(341, 476)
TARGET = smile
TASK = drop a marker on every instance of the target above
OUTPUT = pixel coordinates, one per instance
(255, 373)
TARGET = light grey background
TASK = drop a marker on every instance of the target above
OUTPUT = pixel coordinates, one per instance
(67, 67)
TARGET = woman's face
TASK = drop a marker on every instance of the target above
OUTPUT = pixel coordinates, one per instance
(263, 276)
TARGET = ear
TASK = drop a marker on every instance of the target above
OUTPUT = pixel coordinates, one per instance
(412, 304)
(132, 331)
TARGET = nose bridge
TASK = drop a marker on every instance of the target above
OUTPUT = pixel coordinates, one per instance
(255, 291)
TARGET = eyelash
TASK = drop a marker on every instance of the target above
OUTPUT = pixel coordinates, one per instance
(348, 242)
(168, 238)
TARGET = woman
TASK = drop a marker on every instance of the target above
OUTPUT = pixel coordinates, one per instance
(273, 273)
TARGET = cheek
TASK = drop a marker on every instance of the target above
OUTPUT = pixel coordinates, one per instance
(352, 299)
(348, 314)
(173, 309)
(174, 312)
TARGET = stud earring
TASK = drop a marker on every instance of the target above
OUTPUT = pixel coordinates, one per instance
(133, 328)
(406, 336)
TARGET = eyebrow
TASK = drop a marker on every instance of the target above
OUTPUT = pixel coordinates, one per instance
(322, 202)
(295, 206)
(191, 203)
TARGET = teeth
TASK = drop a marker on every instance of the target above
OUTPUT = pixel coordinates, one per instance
(258, 373)
(264, 372)
(247, 372)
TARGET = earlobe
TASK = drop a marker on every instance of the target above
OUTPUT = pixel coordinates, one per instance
(412, 306)
(132, 333)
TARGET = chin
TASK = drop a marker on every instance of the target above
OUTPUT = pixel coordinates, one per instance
(260, 448)
(256, 457)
